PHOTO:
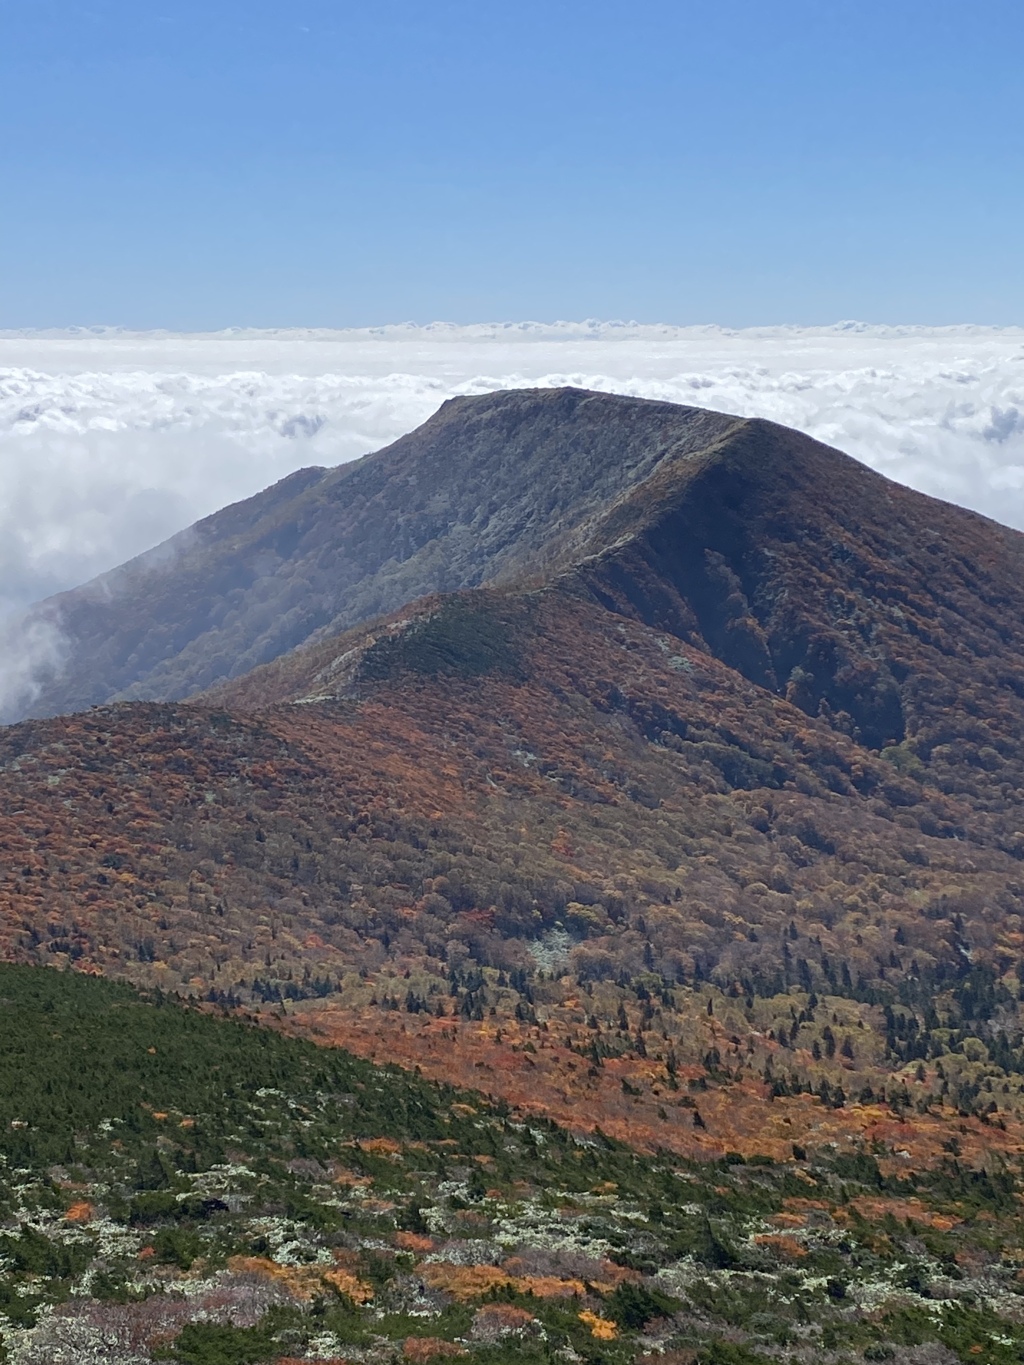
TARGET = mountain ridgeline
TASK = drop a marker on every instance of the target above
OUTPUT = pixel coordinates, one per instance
(488, 490)
(802, 569)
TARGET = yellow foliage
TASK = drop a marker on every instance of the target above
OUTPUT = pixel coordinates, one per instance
(465, 1282)
(347, 1283)
(602, 1328)
(303, 1282)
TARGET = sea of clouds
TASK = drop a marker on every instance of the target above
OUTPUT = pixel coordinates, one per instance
(111, 441)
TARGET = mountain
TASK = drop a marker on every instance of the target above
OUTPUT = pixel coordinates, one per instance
(752, 741)
(487, 490)
(694, 822)
(796, 565)
(861, 601)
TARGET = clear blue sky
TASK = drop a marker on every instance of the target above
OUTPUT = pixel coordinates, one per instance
(203, 163)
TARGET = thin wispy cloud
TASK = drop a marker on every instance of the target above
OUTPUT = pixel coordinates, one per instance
(110, 442)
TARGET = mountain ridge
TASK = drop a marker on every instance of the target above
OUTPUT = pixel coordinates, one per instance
(485, 489)
(734, 534)
(811, 574)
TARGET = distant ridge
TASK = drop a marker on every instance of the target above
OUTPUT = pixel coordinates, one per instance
(490, 488)
(804, 570)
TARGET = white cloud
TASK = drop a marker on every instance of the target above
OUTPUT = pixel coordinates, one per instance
(31, 651)
(111, 441)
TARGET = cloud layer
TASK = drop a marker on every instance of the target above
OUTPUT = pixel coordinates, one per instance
(111, 441)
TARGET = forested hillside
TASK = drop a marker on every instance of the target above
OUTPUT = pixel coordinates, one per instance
(595, 858)
(180, 1187)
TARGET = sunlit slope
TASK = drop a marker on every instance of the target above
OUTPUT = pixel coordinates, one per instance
(525, 812)
(176, 1186)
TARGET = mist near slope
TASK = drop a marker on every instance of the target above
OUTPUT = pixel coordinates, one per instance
(110, 442)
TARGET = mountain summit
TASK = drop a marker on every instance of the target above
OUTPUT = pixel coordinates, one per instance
(489, 489)
(802, 569)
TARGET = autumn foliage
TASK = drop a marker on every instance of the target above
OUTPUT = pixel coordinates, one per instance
(713, 841)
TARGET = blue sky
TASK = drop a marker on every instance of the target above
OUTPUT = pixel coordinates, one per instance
(193, 165)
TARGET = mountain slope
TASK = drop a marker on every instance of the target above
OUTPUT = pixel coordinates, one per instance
(809, 573)
(881, 610)
(700, 826)
(490, 488)
(527, 820)
(813, 575)
(176, 1186)
(732, 790)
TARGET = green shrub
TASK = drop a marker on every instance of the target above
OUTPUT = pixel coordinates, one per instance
(632, 1306)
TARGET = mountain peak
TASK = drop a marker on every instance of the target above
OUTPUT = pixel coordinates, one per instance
(807, 572)
(491, 488)
(615, 731)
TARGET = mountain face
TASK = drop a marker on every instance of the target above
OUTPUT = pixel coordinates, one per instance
(795, 565)
(489, 489)
(677, 796)
(720, 777)
(859, 600)
(876, 608)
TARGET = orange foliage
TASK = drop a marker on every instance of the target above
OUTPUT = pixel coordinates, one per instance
(420, 1350)
(912, 1209)
(472, 1282)
(303, 1282)
(736, 1115)
(602, 1328)
(496, 1320)
(576, 810)
(380, 1146)
(785, 1246)
(347, 1283)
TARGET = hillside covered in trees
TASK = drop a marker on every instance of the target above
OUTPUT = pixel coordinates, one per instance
(179, 1187)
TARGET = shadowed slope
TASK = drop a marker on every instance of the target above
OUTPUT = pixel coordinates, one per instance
(814, 576)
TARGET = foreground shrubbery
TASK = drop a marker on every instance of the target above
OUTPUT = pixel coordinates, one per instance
(189, 1188)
